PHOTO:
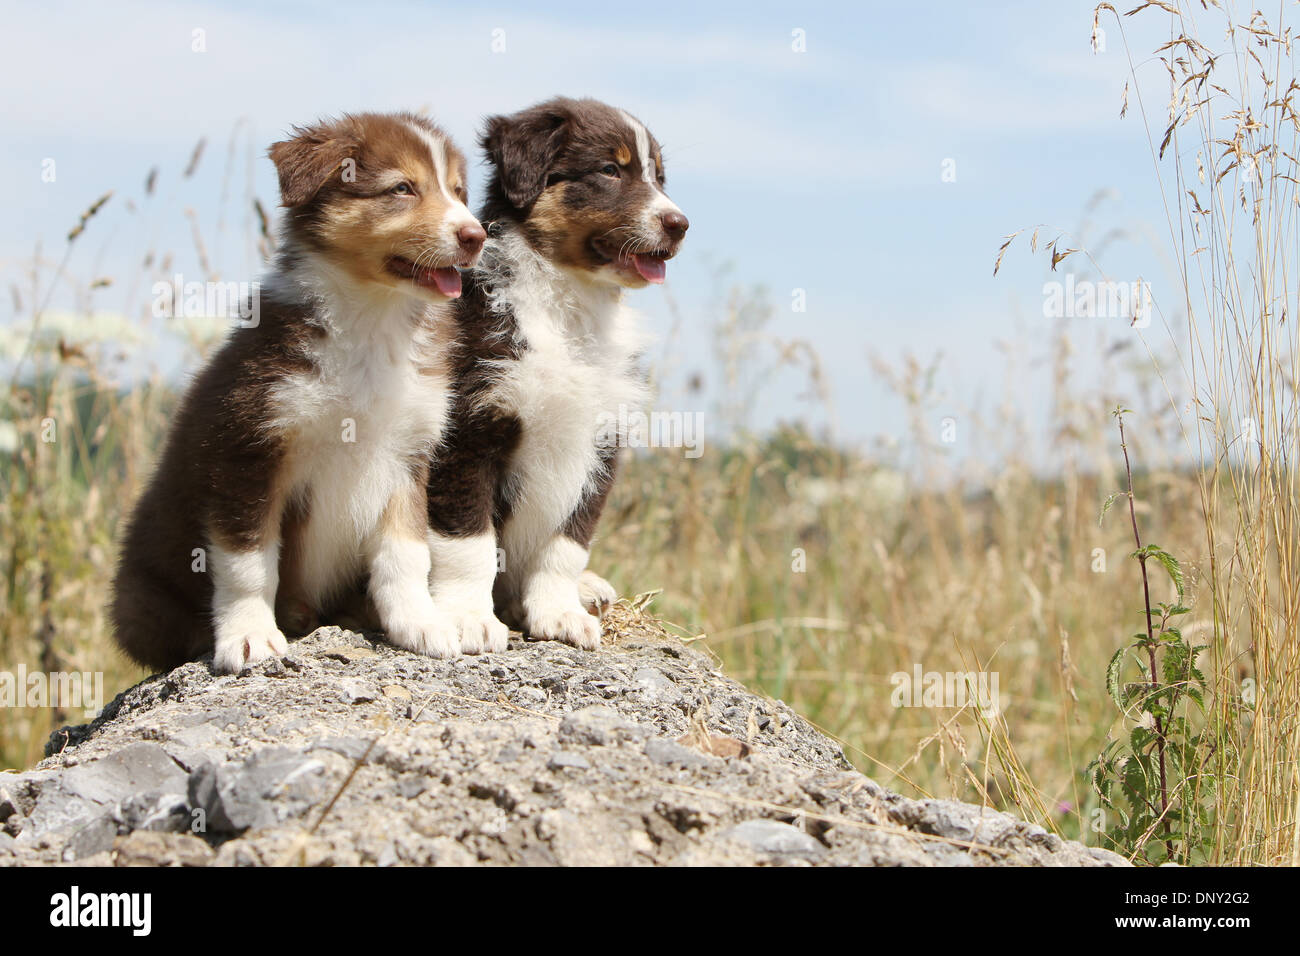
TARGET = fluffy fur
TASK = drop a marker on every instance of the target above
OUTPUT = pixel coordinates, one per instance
(297, 461)
(577, 215)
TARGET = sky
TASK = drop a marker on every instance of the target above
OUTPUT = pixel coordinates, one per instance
(861, 160)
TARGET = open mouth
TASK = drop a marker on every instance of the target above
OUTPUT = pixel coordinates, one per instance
(651, 265)
(443, 279)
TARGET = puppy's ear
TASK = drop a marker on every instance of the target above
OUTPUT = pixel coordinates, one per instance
(308, 160)
(524, 147)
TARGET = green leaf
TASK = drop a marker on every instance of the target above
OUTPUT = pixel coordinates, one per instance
(1168, 562)
(1139, 738)
(1112, 678)
(1110, 500)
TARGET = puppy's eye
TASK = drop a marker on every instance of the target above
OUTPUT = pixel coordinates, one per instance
(402, 189)
(610, 170)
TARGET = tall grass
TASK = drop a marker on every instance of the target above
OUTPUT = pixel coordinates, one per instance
(993, 572)
(816, 573)
(1224, 154)
(83, 449)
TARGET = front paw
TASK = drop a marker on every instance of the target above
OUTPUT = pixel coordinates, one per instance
(479, 631)
(574, 626)
(596, 593)
(434, 635)
(243, 648)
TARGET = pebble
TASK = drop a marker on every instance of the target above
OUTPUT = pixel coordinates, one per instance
(671, 753)
(599, 726)
(774, 837)
(562, 759)
(356, 691)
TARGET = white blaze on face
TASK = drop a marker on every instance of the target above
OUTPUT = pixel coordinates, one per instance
(642, 147)
(459, 215)
(662, 203)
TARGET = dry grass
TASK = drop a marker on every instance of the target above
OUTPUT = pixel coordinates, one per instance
(985, 575)
(1225, 154)
(816, 573)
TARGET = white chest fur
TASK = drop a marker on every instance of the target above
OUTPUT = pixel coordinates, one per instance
(376, 399)
(576, 372)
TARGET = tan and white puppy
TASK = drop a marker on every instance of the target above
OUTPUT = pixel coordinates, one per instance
(296, 465)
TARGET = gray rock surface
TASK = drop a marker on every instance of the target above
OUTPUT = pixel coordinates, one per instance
(349, 751)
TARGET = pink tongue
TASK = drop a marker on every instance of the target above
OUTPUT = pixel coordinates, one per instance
(650, 268)
(445, 280)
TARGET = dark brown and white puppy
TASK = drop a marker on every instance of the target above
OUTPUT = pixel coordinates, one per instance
(576, 214)
(297, 461)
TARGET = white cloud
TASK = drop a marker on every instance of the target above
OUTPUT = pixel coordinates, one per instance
(127, 74)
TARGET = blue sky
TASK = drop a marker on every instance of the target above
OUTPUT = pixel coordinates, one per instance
(819, 170)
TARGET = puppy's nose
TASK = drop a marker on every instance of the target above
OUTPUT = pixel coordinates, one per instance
(675, 224)
(471, 237)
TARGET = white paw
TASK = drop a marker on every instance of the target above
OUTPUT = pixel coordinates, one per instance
(236, 651)
(480, 631)
(596, 593)
(575, 627)
(433, 635)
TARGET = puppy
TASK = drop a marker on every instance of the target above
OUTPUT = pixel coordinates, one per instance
(296, 463)
(577, 215)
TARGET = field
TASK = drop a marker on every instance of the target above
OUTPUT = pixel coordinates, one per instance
(829, 576)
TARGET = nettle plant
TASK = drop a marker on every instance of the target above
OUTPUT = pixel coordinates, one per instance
(1155, 781)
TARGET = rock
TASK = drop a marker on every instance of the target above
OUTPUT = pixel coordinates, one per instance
(138, 766)
(8, 804)
(671, 753)
(411, 787)
(97, 836)
(353, 748)
(154, 810)
(772, 836)
(358, 691)
(55, 811)
(599, 727)
(150, 848)
(69, 801)
(652, 681)
(563, 758)
(1106, 857)
(271, 785)
(349, 751)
